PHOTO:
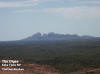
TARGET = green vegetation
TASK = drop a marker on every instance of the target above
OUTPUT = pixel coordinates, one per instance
(66, 56)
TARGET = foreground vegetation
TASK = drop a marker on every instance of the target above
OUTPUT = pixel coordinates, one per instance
(65, 56)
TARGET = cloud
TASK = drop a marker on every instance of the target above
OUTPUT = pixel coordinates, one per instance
(28, 11)
(91, 2)
(21, 3)
(23, 11)
(75, 12)
(18, 3)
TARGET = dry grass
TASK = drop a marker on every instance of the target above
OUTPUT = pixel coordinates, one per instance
(46, 69)
(33, 69)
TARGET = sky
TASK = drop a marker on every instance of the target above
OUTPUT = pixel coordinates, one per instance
(22, 18)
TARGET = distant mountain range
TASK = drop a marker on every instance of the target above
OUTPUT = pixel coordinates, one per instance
(55, 36)
(49, 38)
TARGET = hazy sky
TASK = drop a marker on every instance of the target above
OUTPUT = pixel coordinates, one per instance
(22, 18)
